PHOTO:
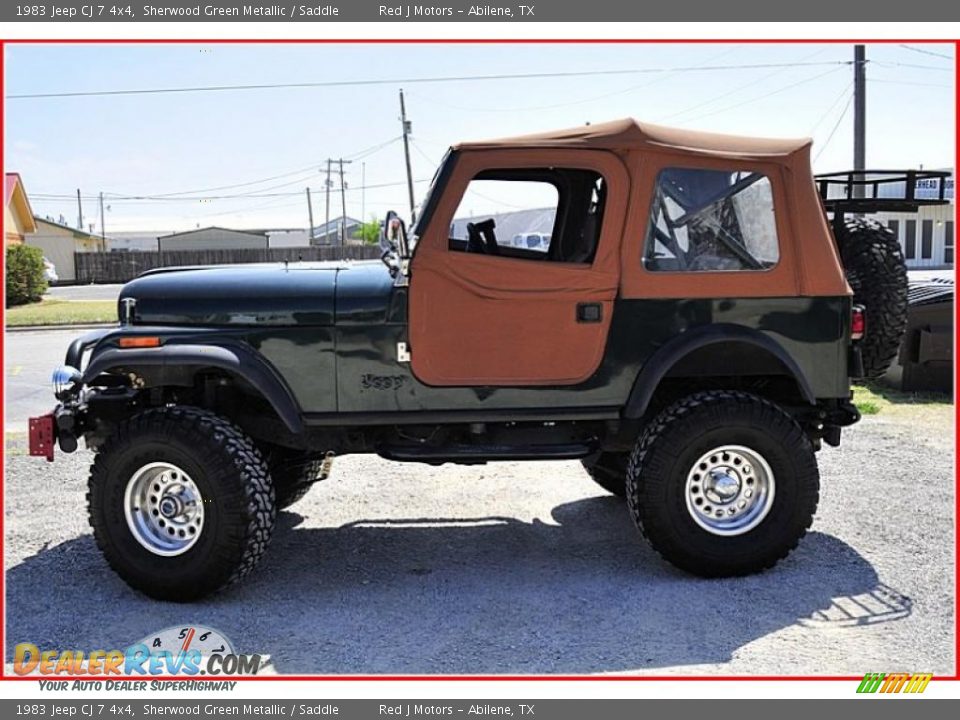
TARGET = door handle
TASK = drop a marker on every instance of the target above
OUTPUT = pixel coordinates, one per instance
(589, 312)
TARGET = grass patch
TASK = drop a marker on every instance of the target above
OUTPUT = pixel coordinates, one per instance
(62, 312)
(874, 398)
(866, 406)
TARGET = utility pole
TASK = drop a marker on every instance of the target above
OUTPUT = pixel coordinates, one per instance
(79, 212)
(103, 229)
(859, 116)
(343, 204)
(363, 192)
(407, 127)
(310, 215)
(327, 184)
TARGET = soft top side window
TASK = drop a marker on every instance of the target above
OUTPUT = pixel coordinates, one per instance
(704, 220)
(551, 214)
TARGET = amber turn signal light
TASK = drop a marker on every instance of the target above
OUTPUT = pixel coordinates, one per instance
(139, 342)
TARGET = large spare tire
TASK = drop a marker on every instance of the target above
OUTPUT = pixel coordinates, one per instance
(877, 273)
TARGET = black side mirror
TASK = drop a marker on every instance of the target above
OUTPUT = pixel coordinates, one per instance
(394, 235)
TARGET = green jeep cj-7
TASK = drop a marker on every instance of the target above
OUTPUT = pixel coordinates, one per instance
(684, 328)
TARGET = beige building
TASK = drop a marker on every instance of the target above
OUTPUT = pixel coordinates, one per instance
(60, 242)
(17, 215)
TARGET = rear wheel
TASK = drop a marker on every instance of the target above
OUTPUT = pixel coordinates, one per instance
(877, 273)
(609, 471)
(723, 483)
(181, 503)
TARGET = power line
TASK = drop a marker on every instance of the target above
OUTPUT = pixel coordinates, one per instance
(194, 195)
(374, 149)
(409, 81)
(256, 193)
(833, 131)
(926, 52)
(734, 91)
(552, 106)
(833, 105)
(235, 185)
(766, 95)
(424, 155)
(135, 199)
(366, 152)
(886, 63)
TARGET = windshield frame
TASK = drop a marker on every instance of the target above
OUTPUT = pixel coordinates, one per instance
(432, 198)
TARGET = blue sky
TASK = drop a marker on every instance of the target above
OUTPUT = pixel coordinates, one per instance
(172, 144)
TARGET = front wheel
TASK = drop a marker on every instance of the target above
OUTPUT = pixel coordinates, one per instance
(723, 483)
(181, 503)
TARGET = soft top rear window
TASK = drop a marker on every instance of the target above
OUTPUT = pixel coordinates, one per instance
(704, 220)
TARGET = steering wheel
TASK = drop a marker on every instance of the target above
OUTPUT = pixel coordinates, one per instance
(481, 238)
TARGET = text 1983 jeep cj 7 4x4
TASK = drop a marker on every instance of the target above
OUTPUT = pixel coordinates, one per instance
(687, 332)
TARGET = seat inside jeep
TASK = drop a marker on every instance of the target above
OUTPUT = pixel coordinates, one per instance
(552, 214)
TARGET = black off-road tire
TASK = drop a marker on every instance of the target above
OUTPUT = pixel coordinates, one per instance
(291, 481)
(877, 273)
(669, 449)
(238, 501)
(609, 471)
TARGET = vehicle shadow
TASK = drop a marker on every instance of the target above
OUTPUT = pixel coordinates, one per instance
(491, 595)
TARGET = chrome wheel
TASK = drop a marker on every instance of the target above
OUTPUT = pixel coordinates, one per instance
(730, 490)
(164, 509)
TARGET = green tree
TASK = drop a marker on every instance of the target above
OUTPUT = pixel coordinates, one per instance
(26, 281)
(369, 232)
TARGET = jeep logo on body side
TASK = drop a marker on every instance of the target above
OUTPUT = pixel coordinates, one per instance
(382, 382)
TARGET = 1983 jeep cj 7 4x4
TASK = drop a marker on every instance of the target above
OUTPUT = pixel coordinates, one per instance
(688, 333)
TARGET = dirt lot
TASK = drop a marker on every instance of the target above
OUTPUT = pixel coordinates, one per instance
(529, 568)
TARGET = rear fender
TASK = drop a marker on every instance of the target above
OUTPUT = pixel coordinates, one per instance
(681, 346)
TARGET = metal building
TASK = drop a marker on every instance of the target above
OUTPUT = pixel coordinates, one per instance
(213, 238)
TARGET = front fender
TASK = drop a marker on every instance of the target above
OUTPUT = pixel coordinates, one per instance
(234, 358)
(79, 346)
(660, 364)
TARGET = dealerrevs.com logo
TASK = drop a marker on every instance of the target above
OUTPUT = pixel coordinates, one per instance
(894, 682)
(189, 650)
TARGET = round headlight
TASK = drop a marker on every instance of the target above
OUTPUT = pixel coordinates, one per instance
(65, 377)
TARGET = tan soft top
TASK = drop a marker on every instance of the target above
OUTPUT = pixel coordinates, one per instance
(628, 134)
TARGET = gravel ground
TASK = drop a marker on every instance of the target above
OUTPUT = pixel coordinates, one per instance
(528, 568)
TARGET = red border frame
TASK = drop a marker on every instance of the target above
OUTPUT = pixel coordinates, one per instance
(491, 41)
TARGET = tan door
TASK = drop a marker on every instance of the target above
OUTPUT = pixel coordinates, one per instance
(518, 316)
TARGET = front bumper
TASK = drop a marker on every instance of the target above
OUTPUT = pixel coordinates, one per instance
(55, 428)
(60, 425)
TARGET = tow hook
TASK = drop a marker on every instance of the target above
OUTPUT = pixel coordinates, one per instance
(66, 423)
(843, 415)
